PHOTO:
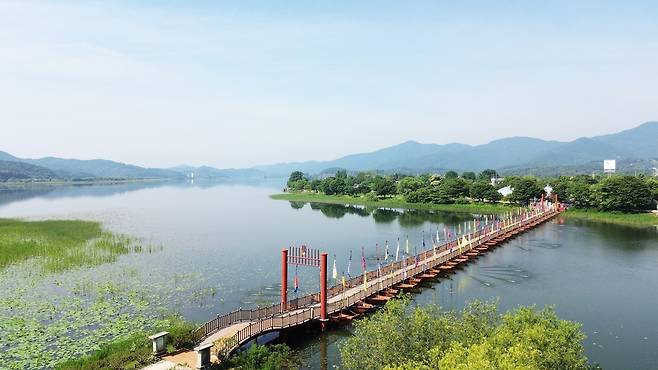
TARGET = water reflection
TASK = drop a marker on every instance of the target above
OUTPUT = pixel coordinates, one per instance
(405, 217)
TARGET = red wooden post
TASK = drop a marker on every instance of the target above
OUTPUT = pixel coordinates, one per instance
(323, 290)
(284, 279)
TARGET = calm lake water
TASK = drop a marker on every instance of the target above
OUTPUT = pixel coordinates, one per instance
(221, 248)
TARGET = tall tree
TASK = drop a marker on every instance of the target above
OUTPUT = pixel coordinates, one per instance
(487, 175)
(451, 175)
(470, 176)
(295, 176)
(525, 190)
(623, 193)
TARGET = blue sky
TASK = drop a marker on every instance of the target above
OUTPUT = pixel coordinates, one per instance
(234, 84)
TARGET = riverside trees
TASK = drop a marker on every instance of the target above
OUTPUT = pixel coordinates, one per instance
(623, 193)
(478, 337)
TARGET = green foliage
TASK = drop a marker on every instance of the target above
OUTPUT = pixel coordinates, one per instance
(580, 195)
(295, 176)
(451, 175)
(371, 197)
(133, 351)
(652, 182)
(470, 176)
(454, 188)
(475, 338)
(333, 185)
(481, 190)
(409, 184)
(383, 186)
(259, 357)
(487, 175)
(299, 185)
(527, 339)
(623, 193)
(525, 190)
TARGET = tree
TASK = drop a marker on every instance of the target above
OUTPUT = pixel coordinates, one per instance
(623, 193)
(477, 337)
(481, 190)
(653, 185)
(468, 176)
(295, 176)
(487, 175)
(299, 185)
(408, 184)
(525, 190)
(333, 186)
(451, 175)
(561, 187)
(580, 195)
(314, 185)
(383, 186)
(454, 187)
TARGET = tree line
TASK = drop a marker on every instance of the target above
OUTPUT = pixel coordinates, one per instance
(624, 193)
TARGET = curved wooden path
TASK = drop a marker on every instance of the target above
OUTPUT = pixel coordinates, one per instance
(230, 331)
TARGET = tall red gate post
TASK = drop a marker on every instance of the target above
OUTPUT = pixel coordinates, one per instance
(284, 279)
(323, 290)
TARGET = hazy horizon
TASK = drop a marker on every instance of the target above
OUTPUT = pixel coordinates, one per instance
(237, 85)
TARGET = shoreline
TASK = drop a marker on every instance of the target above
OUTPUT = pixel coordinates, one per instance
(627, 219)
(646, 219)
(395, 202)
(26, 184)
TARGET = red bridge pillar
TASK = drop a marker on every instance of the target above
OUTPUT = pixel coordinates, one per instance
(284, 279)
(323, 290)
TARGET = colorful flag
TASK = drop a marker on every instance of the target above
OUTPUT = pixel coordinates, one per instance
(416, 256)
(296, 281)
(407, 246)
(386, 252)
(334, 273)
(349, 264)
(397, 250)
(363, 259)
(342, 280)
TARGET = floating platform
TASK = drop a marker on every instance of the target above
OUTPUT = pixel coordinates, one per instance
(379, 299)
(361, 307)
(343, 317)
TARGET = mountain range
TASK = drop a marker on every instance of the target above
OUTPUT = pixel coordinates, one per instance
(639, 144)
(635, 149)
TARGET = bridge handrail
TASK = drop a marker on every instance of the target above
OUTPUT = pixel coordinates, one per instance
(477, 237)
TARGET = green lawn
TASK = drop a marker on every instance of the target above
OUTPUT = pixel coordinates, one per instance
(394, 202)
(631, 219)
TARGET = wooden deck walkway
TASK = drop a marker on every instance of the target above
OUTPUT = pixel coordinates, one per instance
(229, 332)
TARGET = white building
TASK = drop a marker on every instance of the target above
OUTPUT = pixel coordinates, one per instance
(548, 190)
(505, 191)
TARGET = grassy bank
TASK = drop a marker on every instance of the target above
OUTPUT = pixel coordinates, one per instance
(59, 245)
(630, 219)
(394, 202)
(134, 351)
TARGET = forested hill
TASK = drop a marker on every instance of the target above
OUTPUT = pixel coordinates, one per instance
(21, 171)
(519, 153)
(64, 168)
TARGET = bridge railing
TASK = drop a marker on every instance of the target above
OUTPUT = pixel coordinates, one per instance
(396, 268)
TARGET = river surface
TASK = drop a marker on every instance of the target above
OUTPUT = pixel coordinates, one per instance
(221, 248)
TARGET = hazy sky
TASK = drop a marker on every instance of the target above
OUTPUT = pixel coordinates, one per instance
(234, 84)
